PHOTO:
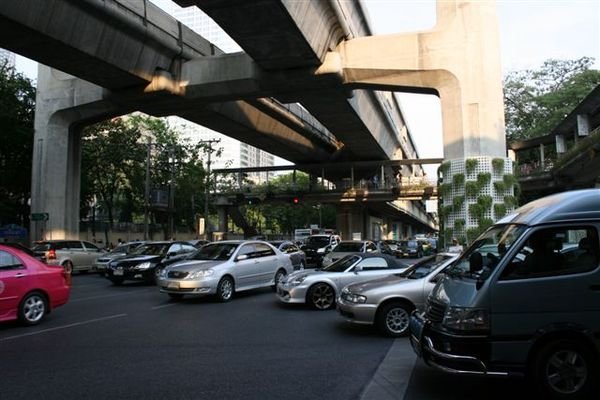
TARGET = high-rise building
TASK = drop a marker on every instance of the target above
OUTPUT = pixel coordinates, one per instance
(234, 154)
(7, 57)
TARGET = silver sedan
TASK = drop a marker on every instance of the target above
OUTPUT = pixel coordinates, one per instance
(319, 287)
(223, 268)
(388, 302)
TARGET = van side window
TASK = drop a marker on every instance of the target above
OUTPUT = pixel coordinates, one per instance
(555, 251)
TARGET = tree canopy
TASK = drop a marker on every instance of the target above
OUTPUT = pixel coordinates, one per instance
(17, 106)
(537, 100)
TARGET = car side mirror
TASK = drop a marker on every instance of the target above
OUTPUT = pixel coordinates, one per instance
(171, 254)
(241, 257)
(357, 269)
(437, 278)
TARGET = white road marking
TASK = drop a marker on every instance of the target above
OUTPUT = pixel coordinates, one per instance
(63, 327)
(163, 306)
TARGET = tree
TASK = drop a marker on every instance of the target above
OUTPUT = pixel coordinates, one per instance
(17, 106)
(537, 100)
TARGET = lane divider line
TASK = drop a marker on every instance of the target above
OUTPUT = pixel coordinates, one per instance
(163, 306)
(90, 321)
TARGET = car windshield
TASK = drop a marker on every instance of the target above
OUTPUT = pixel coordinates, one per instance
(41, 247)
(409, 243)
(151, 249)
(215, 251)
(122, 248)
(342, 264)
(320, 241)
(349, 247)
(486, 252)
(425, 267)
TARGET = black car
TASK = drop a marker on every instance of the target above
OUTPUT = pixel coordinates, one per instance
(316, 246)
(142, 263)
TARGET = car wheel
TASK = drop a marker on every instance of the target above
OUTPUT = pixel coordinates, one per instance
(33, 308)
(225, 289)
(279, 275)
(393, 319)
(564, 369)
(68, 267)
(321, 296)
(175, 296)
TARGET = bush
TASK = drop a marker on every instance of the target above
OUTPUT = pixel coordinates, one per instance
(498, 165)
(472, 234)
(457, 202)
(509, 180)
(445, 189)
(458, 180)
(499, 186)
(459, 224)
(483, 179)
(499, 210)
(471, 189)
(510, 201)
(445, 168)
(470, 165)
(476, 211)
(485, 202)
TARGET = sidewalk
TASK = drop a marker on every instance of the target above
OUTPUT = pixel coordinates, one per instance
(393, 375)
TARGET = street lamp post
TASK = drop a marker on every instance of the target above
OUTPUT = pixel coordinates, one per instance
(207, 185)
(147, 188)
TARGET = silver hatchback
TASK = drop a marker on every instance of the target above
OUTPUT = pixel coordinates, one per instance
(223, 268)
(388, 302)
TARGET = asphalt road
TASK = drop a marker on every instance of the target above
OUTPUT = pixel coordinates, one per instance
(128, 342)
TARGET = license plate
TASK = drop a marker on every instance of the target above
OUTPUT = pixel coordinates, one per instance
(118, 272)
(173, 285)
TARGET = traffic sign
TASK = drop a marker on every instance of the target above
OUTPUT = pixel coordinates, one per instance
(40, 216)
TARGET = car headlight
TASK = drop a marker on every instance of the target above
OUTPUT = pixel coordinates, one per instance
(296, 281)
(321, 250)
(466, 319)
(163, 273)
(354, 298)
(143, 266)
(200, 274)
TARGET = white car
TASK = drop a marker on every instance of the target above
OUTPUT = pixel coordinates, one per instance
(223, 268)
(346, 247)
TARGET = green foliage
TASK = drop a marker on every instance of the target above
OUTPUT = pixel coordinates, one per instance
(17, 105)
(498, 165)
(459, 224)
(485, 202)
(510, 201)
(444, 211)
(483, 179)
(445, 189)
(509, 180)
(470, 165)
(471, 189)
(458, 202)
(499, 210)
(537, 100)
(473, 233)
(476, 211)
(485, 223)
(448, 232)
(458, 180)
(499, 186)
(445, 168)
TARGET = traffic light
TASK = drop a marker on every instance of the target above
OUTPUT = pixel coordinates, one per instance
(296, 200)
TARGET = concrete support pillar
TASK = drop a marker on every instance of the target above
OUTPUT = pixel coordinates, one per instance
(64, 105)
(223, 218)
(351, 220)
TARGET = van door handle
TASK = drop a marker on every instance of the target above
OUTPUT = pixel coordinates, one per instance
(595, 288)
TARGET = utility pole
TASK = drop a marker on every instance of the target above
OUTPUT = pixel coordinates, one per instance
(207, 186)
(147, 188)
(172, 194)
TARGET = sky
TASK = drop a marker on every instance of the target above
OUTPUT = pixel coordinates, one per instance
(531, 31)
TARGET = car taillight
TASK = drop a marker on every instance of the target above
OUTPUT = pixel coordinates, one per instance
(51, 254)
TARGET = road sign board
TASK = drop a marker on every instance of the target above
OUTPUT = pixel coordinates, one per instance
(40, 216)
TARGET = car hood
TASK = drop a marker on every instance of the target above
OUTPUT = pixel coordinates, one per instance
(139, 259)
(193, 265)
(308, 274)
(387, 281)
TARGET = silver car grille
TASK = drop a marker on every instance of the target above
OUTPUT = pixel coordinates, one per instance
(177, 274)
(435, 311)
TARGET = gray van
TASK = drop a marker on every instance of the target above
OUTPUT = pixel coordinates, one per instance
(523, 299)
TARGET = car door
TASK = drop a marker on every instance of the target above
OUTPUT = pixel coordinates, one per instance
(266, 263)
(91, 253)
(245, 268)
(14, 282)
(77, 254)
(370, 268)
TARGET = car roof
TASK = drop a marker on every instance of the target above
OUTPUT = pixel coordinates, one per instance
(576, 205)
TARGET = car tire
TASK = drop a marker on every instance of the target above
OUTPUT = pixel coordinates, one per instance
(393, 319)
(33, 308)
(321, 296)
(175, 296)
(68, 267)
(225, 289)
(279, 275)
(565, 369)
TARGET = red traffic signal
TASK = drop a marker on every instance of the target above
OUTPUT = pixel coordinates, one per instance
(296, 200)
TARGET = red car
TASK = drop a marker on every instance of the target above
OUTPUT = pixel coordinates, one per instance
(29, 289)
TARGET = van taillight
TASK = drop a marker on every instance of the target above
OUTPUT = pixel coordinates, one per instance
(51, 255)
